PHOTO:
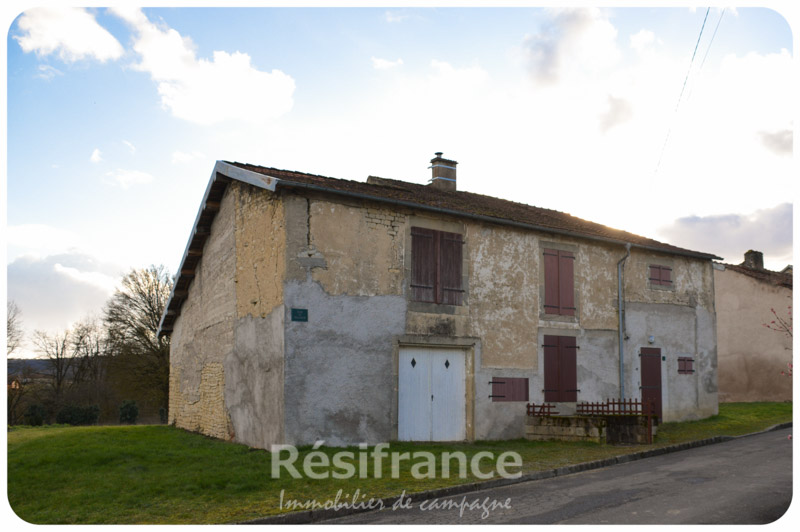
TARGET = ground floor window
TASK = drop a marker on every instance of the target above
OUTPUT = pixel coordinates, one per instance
(560, 369)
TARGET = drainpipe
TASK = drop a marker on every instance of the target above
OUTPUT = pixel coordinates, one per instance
(621, 311)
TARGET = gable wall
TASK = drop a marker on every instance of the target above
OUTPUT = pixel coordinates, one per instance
(751, 357)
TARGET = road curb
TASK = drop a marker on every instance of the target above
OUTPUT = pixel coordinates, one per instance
(313, 516)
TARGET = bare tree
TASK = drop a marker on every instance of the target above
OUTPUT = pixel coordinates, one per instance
(14, 333)
(132, 317)
(56, 348)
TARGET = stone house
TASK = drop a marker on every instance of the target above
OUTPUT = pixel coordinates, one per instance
(752, 356)
(310, 308)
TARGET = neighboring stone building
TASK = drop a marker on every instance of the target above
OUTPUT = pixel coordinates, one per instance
(313, 308)
(752, 356)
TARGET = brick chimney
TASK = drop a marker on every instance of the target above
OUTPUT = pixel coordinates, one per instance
(443, 176)
(753, 260)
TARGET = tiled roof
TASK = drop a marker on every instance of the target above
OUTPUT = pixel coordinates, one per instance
(469, 204)
(767, 276)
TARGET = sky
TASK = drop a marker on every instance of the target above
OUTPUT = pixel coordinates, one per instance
(616, 115)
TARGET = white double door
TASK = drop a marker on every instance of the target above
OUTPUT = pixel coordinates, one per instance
(432, 395)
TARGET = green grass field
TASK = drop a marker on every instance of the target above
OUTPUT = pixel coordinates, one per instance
(159, 474)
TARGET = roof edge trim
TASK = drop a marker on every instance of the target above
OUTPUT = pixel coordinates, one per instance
(221, 168)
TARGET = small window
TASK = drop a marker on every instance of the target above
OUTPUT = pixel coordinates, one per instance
(559, 282)
(436, 266)
(509, 389)
(660, 275)
(685, 365)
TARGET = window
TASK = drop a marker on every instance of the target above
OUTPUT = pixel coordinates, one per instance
(660, 275)
(685, 365)
(559, 283)
(560, 369)
(509, 389)
(436, 266)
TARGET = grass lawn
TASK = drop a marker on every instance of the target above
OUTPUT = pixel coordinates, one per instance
(159, 474)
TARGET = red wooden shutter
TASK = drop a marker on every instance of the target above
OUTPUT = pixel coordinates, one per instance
(450, 249)
(551, 285)
(568, 378)
(566, 283)
(519, 389)
(423, 264)
(551, 359)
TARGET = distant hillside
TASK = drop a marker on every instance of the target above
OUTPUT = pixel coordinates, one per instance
(16, 365)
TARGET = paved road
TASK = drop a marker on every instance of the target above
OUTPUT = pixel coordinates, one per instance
(743, 481)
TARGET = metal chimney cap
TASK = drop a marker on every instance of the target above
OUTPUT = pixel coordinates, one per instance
(438, 153)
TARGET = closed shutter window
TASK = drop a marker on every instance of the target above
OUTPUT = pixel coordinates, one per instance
(685, 365)
(436, 266)
(559, 282)
(560, 369)
(660, 275)
(509, 389)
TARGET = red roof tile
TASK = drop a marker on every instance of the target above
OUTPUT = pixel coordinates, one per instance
(470, 204)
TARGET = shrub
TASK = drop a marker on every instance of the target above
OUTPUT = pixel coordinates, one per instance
(128, 412)
(35, 415)
(78, 415)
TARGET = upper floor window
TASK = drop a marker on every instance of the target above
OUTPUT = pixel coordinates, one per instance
(559, 282)
(436, 266)
(660, 275)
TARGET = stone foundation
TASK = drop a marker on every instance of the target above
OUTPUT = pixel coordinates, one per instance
(599, 429)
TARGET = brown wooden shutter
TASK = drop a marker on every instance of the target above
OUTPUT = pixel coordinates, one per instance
(666, 276)
(566, 283)
(551, 285)
(423, 264)
(551, 359)
(450, 250)
(568, 378)
(655, 274)
(506, 389)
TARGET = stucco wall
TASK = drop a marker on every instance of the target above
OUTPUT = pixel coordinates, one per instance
(345, 269)
(203, 334)
(226, 357)
(751, 356)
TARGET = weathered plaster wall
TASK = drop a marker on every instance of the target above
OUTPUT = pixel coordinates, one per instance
(338, 366)
(226, 360)
(751, 356)
(344, 265)
(203, 334)
(503, 295)
(254, 369)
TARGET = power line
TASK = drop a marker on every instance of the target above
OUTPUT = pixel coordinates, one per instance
(691, 62)
(712, 37)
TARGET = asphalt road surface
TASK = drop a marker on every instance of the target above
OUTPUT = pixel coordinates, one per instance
(743, 481)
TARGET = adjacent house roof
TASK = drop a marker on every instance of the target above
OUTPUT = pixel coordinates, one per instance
(767, 276)
(399, 193)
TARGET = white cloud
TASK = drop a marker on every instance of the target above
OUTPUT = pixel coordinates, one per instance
(47, 73)
(96, 156)
(203, 91)
(575, 42)
(385, 64)
(130, 146)
(72, 33)
(129, 178)
(39, 240)
(395, 16)
(179, 157)
(642, 40)
(58, 290)
(730, 235)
